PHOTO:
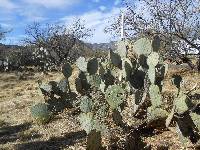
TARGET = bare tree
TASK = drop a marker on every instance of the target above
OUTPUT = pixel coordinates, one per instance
(177, 22)
(3, 32)
(55, 42)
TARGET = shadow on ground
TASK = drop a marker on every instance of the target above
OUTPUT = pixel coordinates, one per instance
(11, 133)
(56, 143)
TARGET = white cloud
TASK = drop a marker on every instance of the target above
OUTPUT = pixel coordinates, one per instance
(52, 3)
(96, 20)
(32, 15)
(7, 5)
(6, 25)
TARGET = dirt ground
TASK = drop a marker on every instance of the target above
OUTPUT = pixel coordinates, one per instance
(18, 131)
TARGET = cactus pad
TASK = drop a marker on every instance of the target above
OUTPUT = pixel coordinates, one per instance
(82, 64)
(115, 96)
(41, 113)
(142, 46)
(86, 104)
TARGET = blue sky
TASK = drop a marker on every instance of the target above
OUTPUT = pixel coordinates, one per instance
(17, 14)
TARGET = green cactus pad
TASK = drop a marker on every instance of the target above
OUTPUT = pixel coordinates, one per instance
(115, 96)
(67, 70)
(196, 120)
(82, 64)
(142, 46)
(152, 74)
(94, 141)
(115, 59)
(121, 49)
(154, 114)
(40, 112)
(86, 121)
(181, 103)
(86, 104)
(155, 96)
(153, 59)
(156, 43)
(92, 66)
(94, 80)
(63, 85)
(126, 69)
(45, 88)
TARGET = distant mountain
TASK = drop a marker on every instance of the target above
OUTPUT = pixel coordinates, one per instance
(102, 46)
(5, 49)
(84, 49)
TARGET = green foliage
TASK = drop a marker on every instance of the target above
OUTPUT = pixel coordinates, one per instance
(41, 113)
(115, 96)
(196, 120)
(127, 69)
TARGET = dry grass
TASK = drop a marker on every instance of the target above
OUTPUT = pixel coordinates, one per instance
(18, 131)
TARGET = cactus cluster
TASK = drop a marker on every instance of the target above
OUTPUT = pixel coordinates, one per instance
(102, 87)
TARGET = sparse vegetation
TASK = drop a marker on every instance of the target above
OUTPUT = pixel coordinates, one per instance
(57, 92)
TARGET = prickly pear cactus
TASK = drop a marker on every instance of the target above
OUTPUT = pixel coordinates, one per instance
(115, 96)
(92, 66)
(155, 96)
(87, 121)
(153, 59)
(94, 141)
(196, 120)
(142, 46)
(45, 88)
(102, 87)
(152, 74)
(156, 43)
(127, 69)
(86, 104)
(176, 80)
(181, 103)
(94, 80)
(115, 58)
(154, 114)
(63, 85)
(122, 48)
(40, 112)
(67, 70)
(81, 63)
